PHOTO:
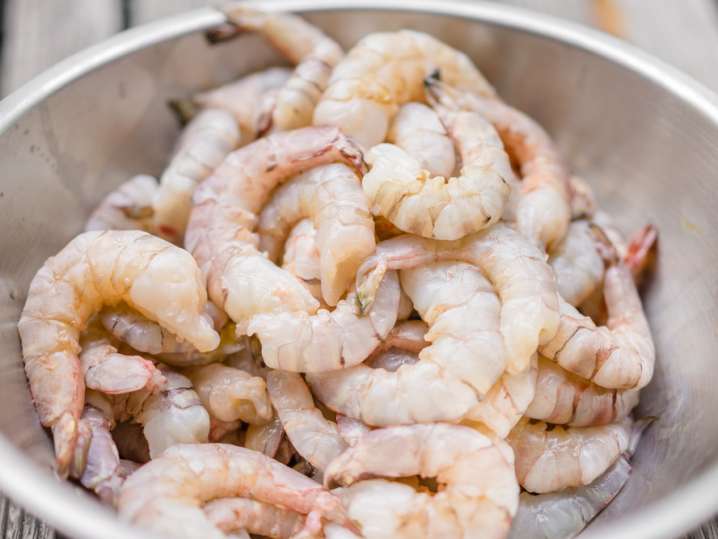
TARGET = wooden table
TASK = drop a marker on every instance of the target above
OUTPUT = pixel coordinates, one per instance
(38, 33)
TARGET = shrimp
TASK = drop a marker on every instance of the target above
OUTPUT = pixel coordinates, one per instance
(619, 355)
(433, 206)
(544, 210)
(331, 195)
(351, 429)
(265, 438)
(301, 43)
(344, 337)
(418, 131)
(577, 263)
(231, 394)
(231, 514)
(240, 279)
(301, 257)
(400, 347)
(383, 71)
(314, 437)
(516, 269)
(478, 493)
(565, 399)
(165, 495)
(129, 207)
(551, 460)
(583, 200)
(204, 144)
(96, 268)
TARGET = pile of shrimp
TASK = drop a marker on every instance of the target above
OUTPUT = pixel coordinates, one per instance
(365, 298)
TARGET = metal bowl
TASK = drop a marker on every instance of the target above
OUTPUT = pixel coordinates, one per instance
(645, 136)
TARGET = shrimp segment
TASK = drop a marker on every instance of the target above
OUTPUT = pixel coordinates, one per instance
(163, 495)
(129, 207)
(479, 494)
(232, 514)
(204, 144)
(332, 196)
(551, 460)
(516, 269)
(239, 278)
(301, 256)
(619, 355)
(96, 268)
(565, 399)
(383, 71)
(301, 43)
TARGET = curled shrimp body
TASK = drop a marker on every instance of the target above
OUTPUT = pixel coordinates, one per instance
(231, 394)
(551, 460)
(516, 269)
(346, 336)
(97, 268)
(241, 280)
(433, 206)
(267, 520)
(478, 493)
(164, 495)
(204, 144)
(314, 437)
(619, 355)
(417, 129)
(303, 44)
(383, 71)
(301, 257)
(566, 399)
(577, 263)
(332, 196)
(265, 438)
(129, 207)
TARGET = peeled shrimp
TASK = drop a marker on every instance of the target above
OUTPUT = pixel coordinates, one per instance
(301, 257)
(478, 493)
(332, 196)
(383, 71)
(164, 495)
(265, 438)
(346, 336)
(418, 131)
(516, 269)
(566, 399)
(434, 206)
(231, 394)
(583, 201)
(551, 460)
(232, 514)
(400, 347)
(314, 437)
(129, 207)
(204, 144)
(301, 43)
(619, 355)
(240, 279)
(96, 268)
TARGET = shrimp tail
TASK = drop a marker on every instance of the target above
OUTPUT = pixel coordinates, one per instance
(183, 109)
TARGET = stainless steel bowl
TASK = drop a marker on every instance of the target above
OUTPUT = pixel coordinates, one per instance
(643, 134)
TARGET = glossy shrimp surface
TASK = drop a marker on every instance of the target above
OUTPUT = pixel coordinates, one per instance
(301, 257)
(128, 207)
(234, 514)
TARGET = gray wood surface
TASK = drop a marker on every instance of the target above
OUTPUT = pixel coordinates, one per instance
(38, 33)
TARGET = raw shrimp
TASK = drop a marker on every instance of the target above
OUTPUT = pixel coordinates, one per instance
(577, 263)
(383, 71)
(331, 195)
(544, 210)
(129, 207)
(231, 514)
(96, 268)
(249, 98)
(301, 342)
(418, 131)
(619, 355)
(301, 257)
(478, 493)
(314, 53)
(583, 201)
(551, 460)
(566, 399)
(164, 495)
(400, 347)
(241, 280)
(433, 206)
(516, 269)
(231, 394)
(265, 438)
(204, 144)
(107, 370)
(351, 429)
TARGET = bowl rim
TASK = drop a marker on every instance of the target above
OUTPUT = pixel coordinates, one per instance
(77, 514)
